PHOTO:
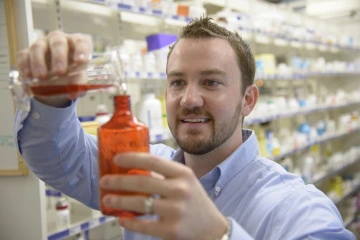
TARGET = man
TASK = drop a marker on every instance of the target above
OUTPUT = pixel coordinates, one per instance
(216, 186)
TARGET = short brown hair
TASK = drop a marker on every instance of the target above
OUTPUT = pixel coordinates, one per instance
(203, 27)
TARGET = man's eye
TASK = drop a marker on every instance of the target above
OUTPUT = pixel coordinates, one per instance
(211, 83)
(177, 83)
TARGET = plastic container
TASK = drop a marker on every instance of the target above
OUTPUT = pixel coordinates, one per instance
(275, 146)
(262, 144)
(288, 164)
(149, 62)
(196, 11)
(158, 44)
(62, 214)
(149, 111)
(308, 169)
(164, 115)
(136, 63)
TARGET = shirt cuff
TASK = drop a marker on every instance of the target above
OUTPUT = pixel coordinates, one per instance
(47, 117)
(237, 232)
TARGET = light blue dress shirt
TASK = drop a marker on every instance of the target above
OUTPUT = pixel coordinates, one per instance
(262, 200)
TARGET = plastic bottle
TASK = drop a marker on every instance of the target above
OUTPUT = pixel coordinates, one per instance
(196, 10)
(122, 133)
(275, 146)
(297, 172)
(149, 62)
(62, 214)
(136, 63)
(149, 111)
(308, 169)
(337, 186)
(262, 144)
(102, 114)
(163, 109)
(288, 164)
(269, 145)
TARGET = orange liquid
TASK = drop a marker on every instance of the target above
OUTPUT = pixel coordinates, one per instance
(50, 90)
(121, 134)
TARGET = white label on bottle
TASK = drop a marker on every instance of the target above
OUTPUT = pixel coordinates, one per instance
(63, 219)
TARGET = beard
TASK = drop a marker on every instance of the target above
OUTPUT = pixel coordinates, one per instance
(193, 142)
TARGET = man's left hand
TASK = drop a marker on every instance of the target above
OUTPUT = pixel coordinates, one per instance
(184, 209)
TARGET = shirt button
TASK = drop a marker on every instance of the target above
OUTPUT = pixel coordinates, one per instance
(36, 115)
(217, 189)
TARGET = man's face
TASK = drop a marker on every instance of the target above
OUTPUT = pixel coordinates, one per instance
(203, 95)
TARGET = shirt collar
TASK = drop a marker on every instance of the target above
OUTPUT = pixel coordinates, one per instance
(234, 164)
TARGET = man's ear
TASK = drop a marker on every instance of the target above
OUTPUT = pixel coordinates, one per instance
(250, 98)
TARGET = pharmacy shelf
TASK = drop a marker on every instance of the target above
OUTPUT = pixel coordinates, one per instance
(334, 73)
(347, 194)
(267, 37)
(113, 23)
(53, 193)
(145, 75)
(334, 172)
(264, 119)
(80, 227)
(150, 12)
(264, 77)
(320, 140)
(136, 13)
(178, 20)
(305, 75)
(75, 228)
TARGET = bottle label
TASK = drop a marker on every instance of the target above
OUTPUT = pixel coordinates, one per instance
(63, 219)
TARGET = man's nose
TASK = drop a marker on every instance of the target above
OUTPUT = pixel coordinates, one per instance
(192, 97)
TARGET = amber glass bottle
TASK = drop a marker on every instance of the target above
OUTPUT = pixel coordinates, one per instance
(122, 133)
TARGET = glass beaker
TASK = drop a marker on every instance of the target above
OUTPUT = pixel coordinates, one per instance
(101, 72)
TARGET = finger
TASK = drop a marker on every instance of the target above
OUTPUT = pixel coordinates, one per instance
(81, 48)
(156, 175)
(37, 55)
(59, 52)
(146, 227)
(136, 183)
(152, 163)
(23, 63)
(136, 204)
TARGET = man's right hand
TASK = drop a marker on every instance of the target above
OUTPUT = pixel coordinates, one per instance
(52, 56)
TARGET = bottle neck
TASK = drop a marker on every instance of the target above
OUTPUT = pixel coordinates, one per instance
(122, 103)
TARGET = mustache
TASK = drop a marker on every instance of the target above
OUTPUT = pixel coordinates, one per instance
(195, 111)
